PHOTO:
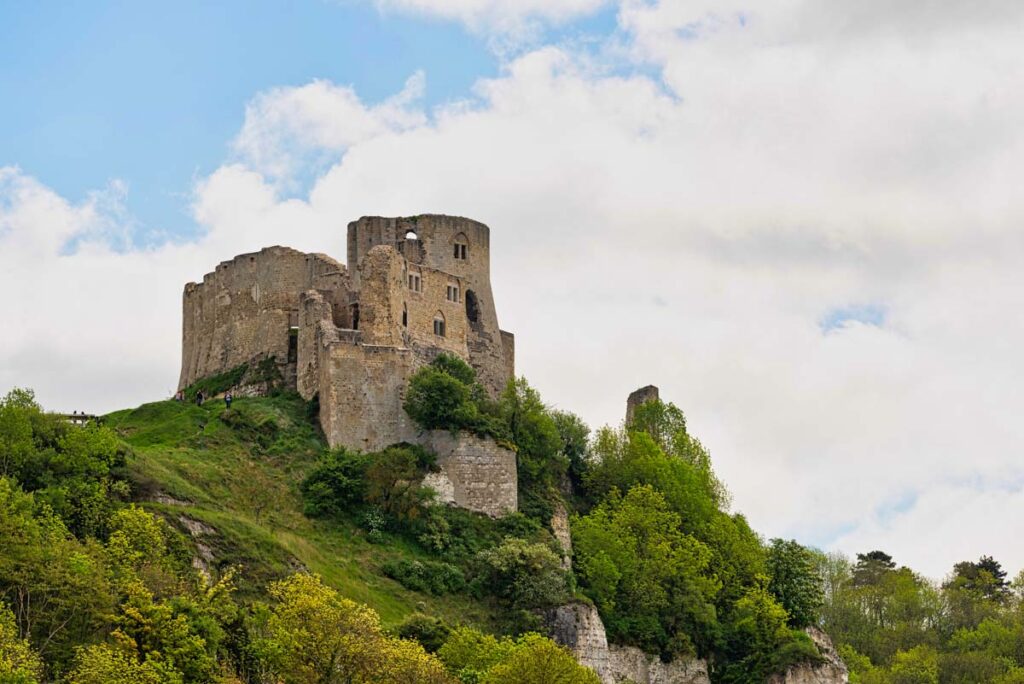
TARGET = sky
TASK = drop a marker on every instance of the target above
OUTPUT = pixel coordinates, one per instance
(803, 221)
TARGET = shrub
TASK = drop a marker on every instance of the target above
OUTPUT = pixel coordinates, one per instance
(446, 396)
(426, 576)
(337, 485)
(430, 632)
(527, 575)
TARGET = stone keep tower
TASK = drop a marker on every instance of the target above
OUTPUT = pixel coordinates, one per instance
(352, 335)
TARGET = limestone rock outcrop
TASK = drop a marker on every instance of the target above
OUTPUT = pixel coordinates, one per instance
(578, 627)
(831, 671)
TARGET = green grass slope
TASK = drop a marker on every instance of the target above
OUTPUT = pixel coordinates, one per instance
(238, 472)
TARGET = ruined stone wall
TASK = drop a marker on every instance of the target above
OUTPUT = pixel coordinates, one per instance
(475, 473)
(246, 308)
(314, 311)
(639, 398)
(362, 388)
(432, 253)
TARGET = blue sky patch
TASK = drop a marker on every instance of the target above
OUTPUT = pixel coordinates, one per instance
(870, 314)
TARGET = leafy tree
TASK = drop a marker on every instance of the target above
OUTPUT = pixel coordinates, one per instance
(55, 584)
(871, 567)
(18, 663)
(446, 396)
(540, 463)
(794, 581)
(430, 632)
(919, 665)
(527, 575)
(475, 657)
(574, 436)
(645, 575)
(393, 481)
(105, 664)
(314, 636)
(758, 641)
(337, 484)
(985, 578)
(469, 654)
(17, 409)
(537, 660)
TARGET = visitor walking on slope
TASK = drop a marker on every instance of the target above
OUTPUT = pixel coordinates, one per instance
(227, 399)
(199, 398)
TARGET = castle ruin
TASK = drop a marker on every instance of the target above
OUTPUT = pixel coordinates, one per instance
(352, 335)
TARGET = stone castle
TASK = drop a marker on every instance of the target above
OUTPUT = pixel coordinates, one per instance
(352, 335)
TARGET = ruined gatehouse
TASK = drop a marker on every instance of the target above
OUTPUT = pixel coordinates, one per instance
(352, 334)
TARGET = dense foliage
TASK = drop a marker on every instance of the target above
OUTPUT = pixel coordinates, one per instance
(894, 626)
(670, 570)
(95, 588)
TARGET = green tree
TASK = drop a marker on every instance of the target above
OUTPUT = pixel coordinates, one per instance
(105, 664)
(541, 464)
(645, 575)
(314, 636)
(18, 663)
(527, 575)
(537, 660)
(919, 665)
(337, 484)
(794, 581)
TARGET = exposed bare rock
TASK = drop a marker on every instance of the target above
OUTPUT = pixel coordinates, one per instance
(832, 671)
(168, 500)
(195, 527)
(560, 528)
(578, 627)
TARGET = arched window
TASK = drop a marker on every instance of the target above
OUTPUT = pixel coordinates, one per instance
(355, 317)
(411, 235)
(439, 327)
(460, 247)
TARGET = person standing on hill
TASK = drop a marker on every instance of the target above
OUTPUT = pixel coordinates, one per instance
(228, 398)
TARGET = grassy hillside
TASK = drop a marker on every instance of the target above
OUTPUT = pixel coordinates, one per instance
(238, 472)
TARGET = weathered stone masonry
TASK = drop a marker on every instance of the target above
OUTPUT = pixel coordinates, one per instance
(353, 335)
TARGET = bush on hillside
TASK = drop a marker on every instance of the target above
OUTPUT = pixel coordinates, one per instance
(426, 576)
(446, 396)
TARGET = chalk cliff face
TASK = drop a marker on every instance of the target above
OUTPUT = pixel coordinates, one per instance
(578, 627)
(832, 671)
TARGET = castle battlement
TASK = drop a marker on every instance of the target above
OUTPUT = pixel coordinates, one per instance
(352, 334)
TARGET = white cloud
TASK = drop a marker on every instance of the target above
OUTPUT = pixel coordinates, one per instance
(501, 17)
(691, 229)
(286, 128)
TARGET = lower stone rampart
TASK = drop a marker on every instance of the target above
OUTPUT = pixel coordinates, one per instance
(474, 472)
(362, 388)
